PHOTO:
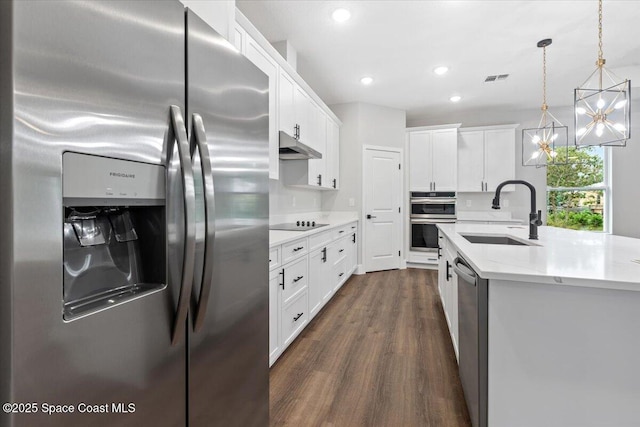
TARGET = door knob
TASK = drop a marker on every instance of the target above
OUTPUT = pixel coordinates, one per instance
(371, 216)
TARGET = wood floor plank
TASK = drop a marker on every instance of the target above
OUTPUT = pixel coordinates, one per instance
(378, 354)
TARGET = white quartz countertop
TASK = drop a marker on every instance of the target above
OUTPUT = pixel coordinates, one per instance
(568, 257)
(278, 237)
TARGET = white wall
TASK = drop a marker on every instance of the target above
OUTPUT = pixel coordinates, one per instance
(362, 124)
(285, 200)
(626, 180)
(219, 14)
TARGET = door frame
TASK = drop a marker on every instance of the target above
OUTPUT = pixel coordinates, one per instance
(362, 267)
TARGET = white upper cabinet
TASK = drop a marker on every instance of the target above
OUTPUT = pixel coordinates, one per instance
(333, 154)
(318, 141)
(261, 59)
(294, 109)
(486, 157)
(432, 159)
(286, 102)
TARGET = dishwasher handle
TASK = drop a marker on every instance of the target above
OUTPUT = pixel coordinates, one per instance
(463, 270)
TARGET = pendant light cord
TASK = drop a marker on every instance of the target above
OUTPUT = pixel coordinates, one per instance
(599, 31)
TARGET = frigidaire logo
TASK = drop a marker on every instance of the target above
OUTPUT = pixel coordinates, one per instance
(122, 175)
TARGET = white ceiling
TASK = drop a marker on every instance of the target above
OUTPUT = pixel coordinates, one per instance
(398, 43)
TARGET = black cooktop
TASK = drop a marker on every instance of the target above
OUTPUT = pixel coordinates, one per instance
(297, 226)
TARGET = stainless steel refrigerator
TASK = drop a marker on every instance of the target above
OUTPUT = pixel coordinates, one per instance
(133, 219)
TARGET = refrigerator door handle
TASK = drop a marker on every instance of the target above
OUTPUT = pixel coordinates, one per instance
(188, 187)
(210, 224)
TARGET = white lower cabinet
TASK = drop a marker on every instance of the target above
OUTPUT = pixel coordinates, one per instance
(294, 317)
(312, 270)
(274, 314)
(319, 275)
(448, 289)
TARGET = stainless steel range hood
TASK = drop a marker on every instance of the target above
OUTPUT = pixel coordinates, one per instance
(292, 149)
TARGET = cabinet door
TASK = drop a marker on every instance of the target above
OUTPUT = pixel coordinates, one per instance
(444, 159)
(274, 311)
(442, 268)
(333, 154)
(352, 254)
(318, 129)
(286, 115)
(318, 263)
(499, 158)
(471, 161)
(302, 109)
(268, 65)
(239, 37)
(419, 158)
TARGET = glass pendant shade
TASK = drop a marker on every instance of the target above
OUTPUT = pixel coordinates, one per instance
(602, 105)
(602, 116)
(547, 144)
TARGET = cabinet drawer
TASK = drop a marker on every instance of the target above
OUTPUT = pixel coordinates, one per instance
(295, 278)
(274, 257)
(293, 250)
(341, 248)
(320, 239)
(294, 317)
(339, 273)
(341, 231)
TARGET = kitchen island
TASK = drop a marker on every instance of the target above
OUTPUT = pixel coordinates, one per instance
(562, 323)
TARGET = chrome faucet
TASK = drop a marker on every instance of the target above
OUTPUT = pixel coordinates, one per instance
(535, 218)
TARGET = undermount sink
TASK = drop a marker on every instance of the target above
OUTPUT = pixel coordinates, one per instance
(492, 239)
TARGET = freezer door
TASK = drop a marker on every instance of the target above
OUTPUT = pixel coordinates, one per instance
(98, 78)
(228, 106)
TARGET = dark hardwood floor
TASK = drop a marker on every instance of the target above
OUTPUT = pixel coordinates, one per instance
(378, 354)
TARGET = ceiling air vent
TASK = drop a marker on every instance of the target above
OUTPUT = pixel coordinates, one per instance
(496, 78)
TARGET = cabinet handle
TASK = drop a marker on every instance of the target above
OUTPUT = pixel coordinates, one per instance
(299, 248)
(269, 261)
(353, 227)
(448, 274)
(324, 255)
(282, 284)
(335, 185)
(295, 318)
(354, 237)
(320, 180)
(341, 274)
(297, 279)
(341, 250)
(434, 186)
(439, 252)
(341, 231)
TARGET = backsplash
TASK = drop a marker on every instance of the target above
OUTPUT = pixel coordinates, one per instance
(287, 200)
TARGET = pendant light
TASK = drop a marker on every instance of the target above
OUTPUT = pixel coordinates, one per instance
(601, 104)
(547, 144)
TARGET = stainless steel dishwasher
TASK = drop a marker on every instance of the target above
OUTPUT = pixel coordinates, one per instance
(473, 339)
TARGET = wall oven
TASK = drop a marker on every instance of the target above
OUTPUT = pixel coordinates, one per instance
(427, 210)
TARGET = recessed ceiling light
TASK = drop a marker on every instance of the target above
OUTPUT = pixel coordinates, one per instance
(341, 15)
(441, 70)
(455, 98)
(366, 80)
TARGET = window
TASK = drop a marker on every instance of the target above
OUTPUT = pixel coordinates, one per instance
(578, 194)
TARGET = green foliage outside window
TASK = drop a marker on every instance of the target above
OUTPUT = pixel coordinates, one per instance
(576, 209)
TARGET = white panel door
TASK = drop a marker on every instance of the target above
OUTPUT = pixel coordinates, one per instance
(382, 200)
(444, 159)
(419, 161)
(261, 59)
(499, 158)
(471, 161)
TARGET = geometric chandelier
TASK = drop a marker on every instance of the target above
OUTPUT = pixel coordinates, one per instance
(602, 105)
(548, 144)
